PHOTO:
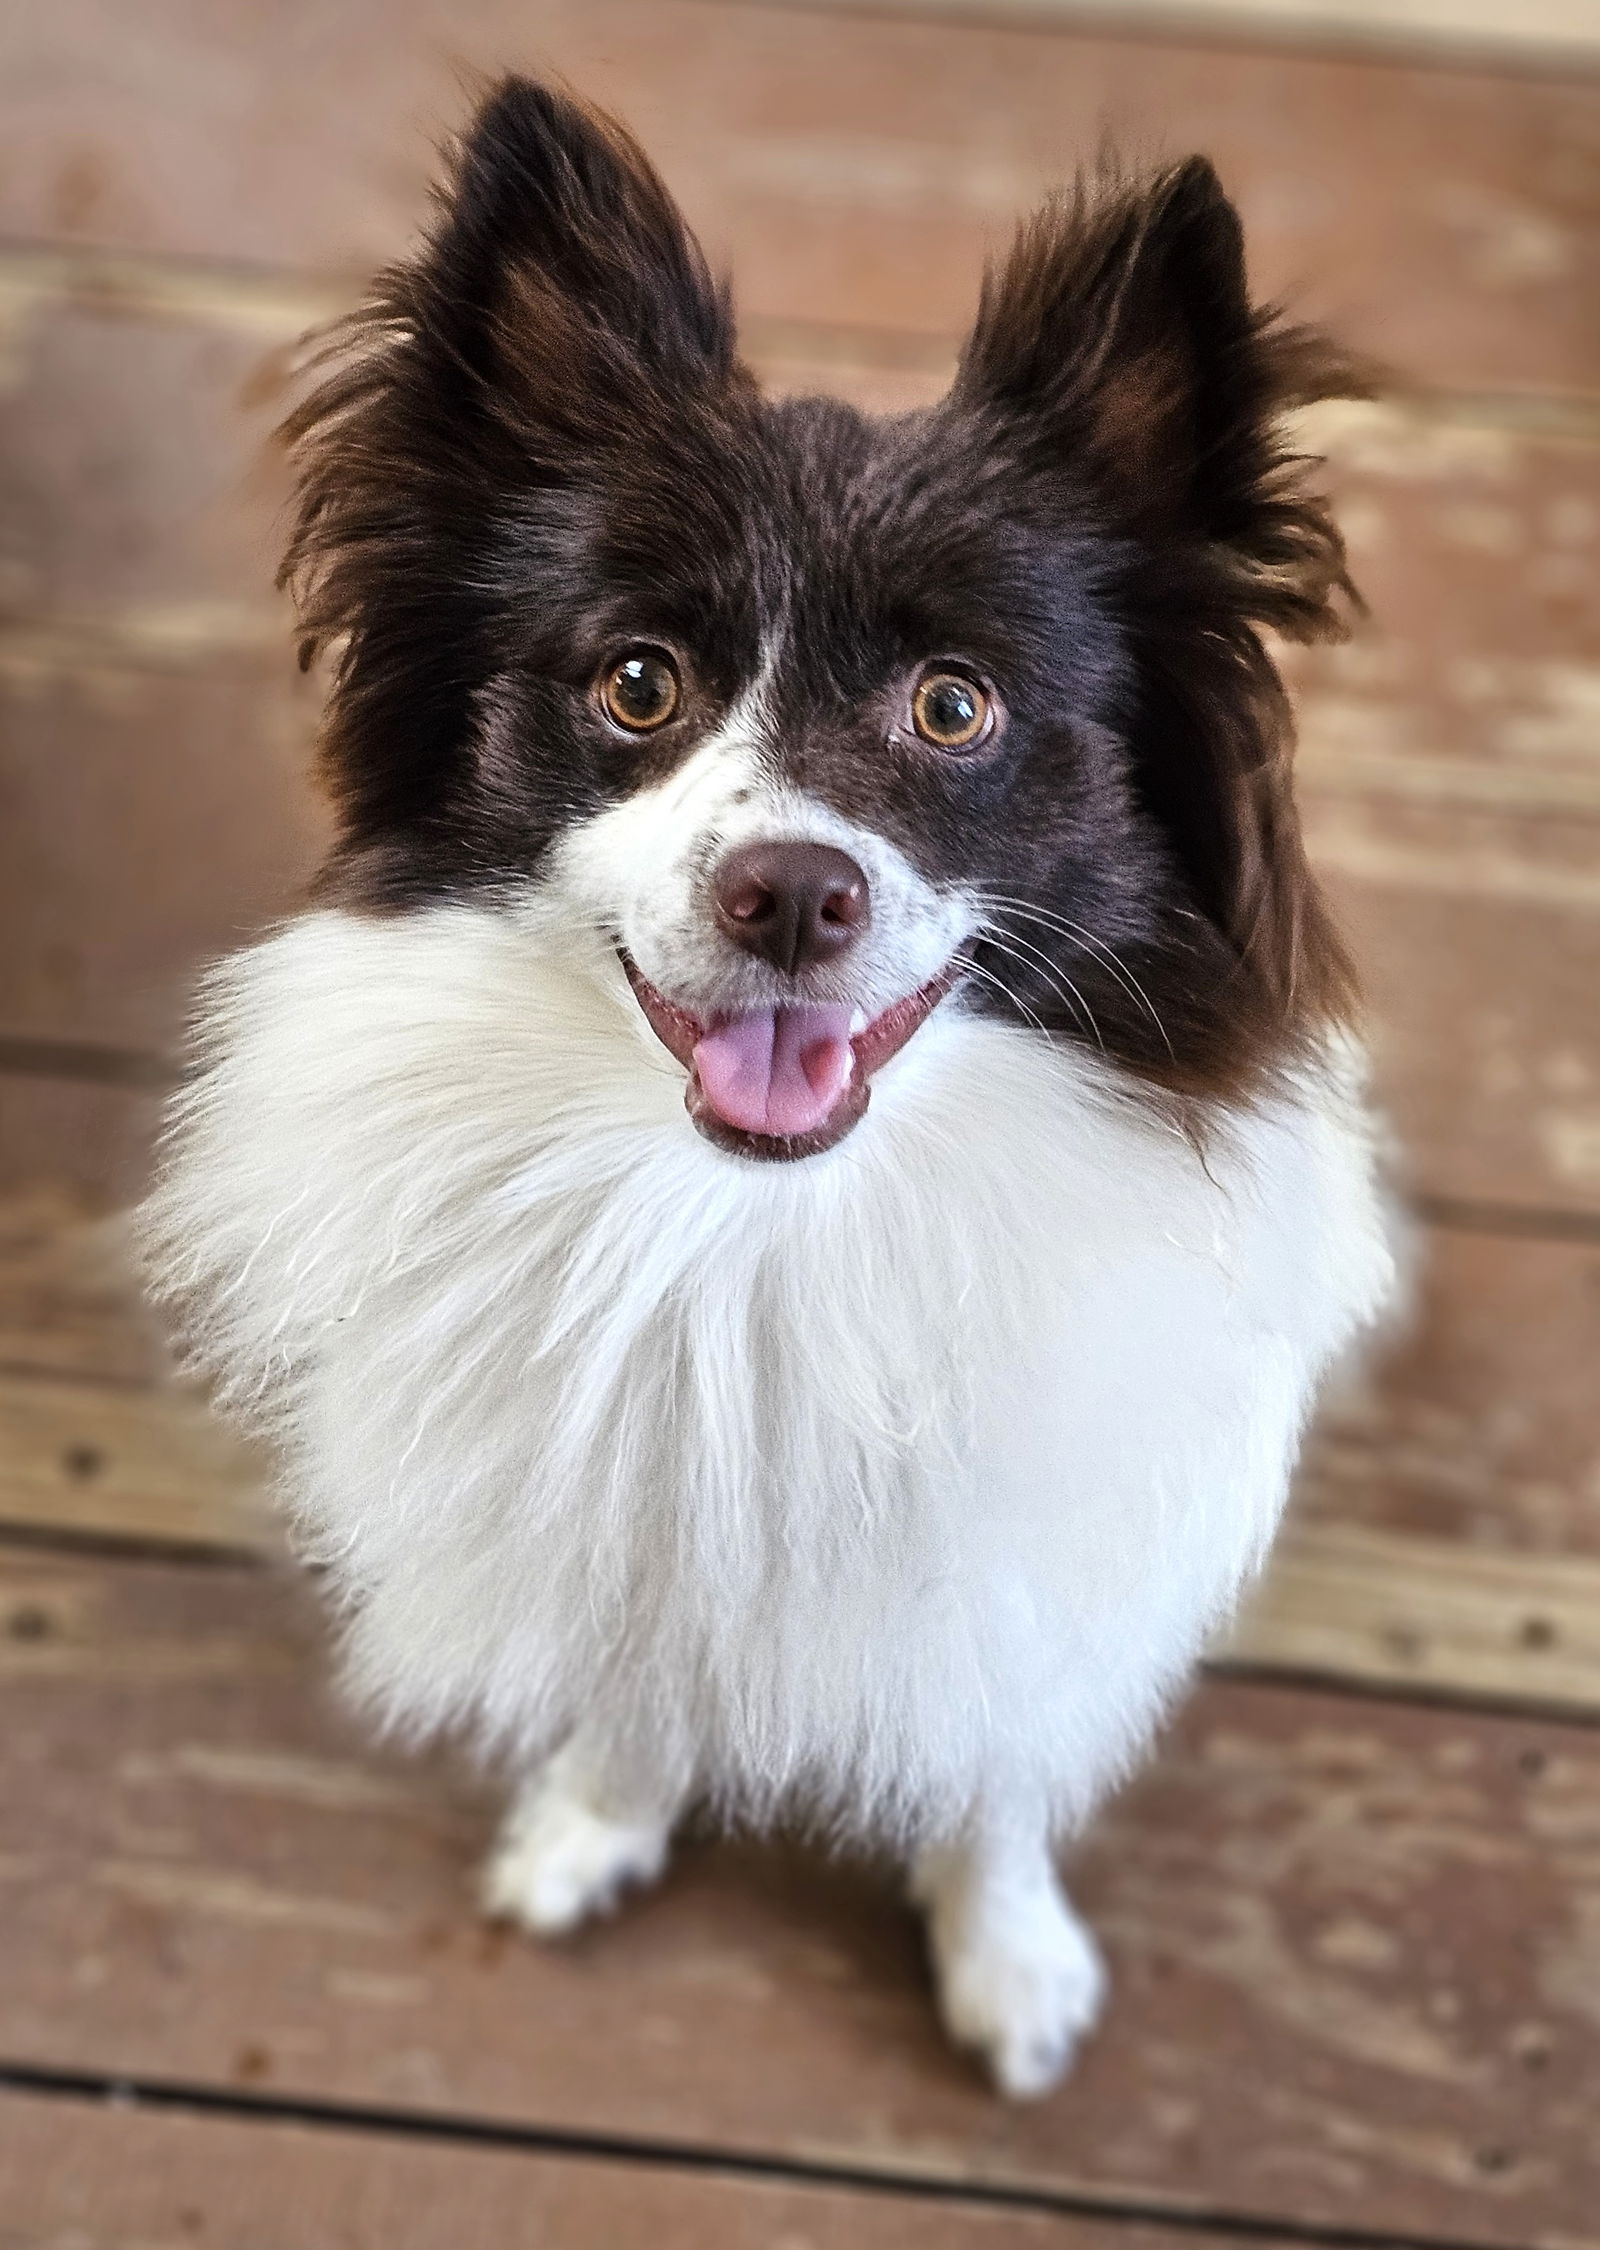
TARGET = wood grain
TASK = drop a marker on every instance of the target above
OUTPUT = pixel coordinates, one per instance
(68, 1301)
(81, 2176)
(1339, 1602)
(1479, 1422)
(852, 168)
(131, 484)
(156, 742)
(153, 820)
(1479, 950)
(145, 1464)
(1342, 1603)
(73, 1138)
(1556, 33)
(1353, 1944)
(1446, 1533)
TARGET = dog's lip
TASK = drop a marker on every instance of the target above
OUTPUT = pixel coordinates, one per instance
(680, 1030)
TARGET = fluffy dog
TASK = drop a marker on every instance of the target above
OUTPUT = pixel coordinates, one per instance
(786, 1202)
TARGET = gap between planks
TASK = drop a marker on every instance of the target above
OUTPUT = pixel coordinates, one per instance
(1340, 1603)
(1086, 2220)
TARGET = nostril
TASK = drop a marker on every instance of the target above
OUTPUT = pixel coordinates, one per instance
(794, 905)
(747, 902)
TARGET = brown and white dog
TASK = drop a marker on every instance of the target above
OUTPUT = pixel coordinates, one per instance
(787, 1201)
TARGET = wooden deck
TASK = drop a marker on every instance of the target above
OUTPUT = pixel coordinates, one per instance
(1353, 1909)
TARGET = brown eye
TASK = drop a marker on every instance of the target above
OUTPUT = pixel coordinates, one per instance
(642, 691)
(950, 711)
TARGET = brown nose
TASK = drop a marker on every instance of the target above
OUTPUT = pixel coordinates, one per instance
(795, 905)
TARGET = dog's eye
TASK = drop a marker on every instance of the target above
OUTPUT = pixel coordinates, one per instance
(642, 691)
(950, 711)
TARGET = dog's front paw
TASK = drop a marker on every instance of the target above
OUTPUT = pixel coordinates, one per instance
(1020, 1991)
(557, 1863)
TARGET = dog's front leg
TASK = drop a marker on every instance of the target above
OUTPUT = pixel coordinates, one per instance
(1020, 1979)
(595, 1821)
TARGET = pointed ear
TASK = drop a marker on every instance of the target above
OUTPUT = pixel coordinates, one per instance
(1117, 349)
(558, 308)
(560, 260)
(1118, 339)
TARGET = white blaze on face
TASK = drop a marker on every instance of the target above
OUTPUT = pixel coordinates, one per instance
(644, 869)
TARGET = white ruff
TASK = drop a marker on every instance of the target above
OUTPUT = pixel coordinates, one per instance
(895, 1481)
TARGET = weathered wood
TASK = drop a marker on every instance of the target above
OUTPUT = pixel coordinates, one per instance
(157, 747)
(1339, 1601)
(68, 1301)
(1479, 947)
(130, 473)
(73, 1138)
(146, 1464)
(1353, 1944)
(1446, 1533)
(76, 2175)
(1478, 932)
(1552, 33)
(852, 167)
(1346, 1604)
(1475, 677)
(1480, 1423)
(151, 822)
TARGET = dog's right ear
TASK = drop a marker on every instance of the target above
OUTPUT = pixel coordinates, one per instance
(556, 294)
(558, 310)
(561, 267)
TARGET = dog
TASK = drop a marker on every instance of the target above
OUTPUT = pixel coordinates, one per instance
(786, 1200)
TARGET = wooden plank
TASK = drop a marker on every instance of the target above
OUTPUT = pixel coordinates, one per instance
(82, 2176)
(152, 820)
(69, 1137)
(1446, 1533)
(68, 1303)
(131, 469)
(1340, 1601)
(1476, 677)
(1352, 1942)
(1548, 33)
(854, 168)
(147, 1464)
(160, 815)
(1477, 932)
(1480, 1424)
(1474, 537)
(1478, 942)
(1343, 1603)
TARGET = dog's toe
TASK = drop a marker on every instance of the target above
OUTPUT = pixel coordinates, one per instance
(1022, 1996)
(557, 1864)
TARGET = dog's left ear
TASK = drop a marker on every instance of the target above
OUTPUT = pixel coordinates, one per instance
(1117, 353)
(1118, 340)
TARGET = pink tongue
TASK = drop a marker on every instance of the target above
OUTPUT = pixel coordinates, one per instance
(781, 1070)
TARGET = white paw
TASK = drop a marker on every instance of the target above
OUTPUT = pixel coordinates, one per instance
(1021, 1992)
(557, 1863)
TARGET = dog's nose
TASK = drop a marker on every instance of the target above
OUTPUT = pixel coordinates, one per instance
(795, 905)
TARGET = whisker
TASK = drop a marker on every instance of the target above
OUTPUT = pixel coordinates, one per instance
(1047, 919)
(988, 977)
(1058, 980)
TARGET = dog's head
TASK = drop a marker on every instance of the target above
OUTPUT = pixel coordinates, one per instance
(815, 716)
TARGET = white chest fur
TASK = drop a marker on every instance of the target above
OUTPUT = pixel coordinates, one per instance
(929, 1460)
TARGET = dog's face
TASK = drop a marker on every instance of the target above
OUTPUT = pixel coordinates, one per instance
(808, 714)
(813, 717)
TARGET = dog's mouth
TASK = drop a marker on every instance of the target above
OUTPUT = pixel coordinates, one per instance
(784, 1081)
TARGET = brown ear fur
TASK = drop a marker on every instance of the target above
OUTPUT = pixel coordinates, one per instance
(1118, 340)
(558, 303)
